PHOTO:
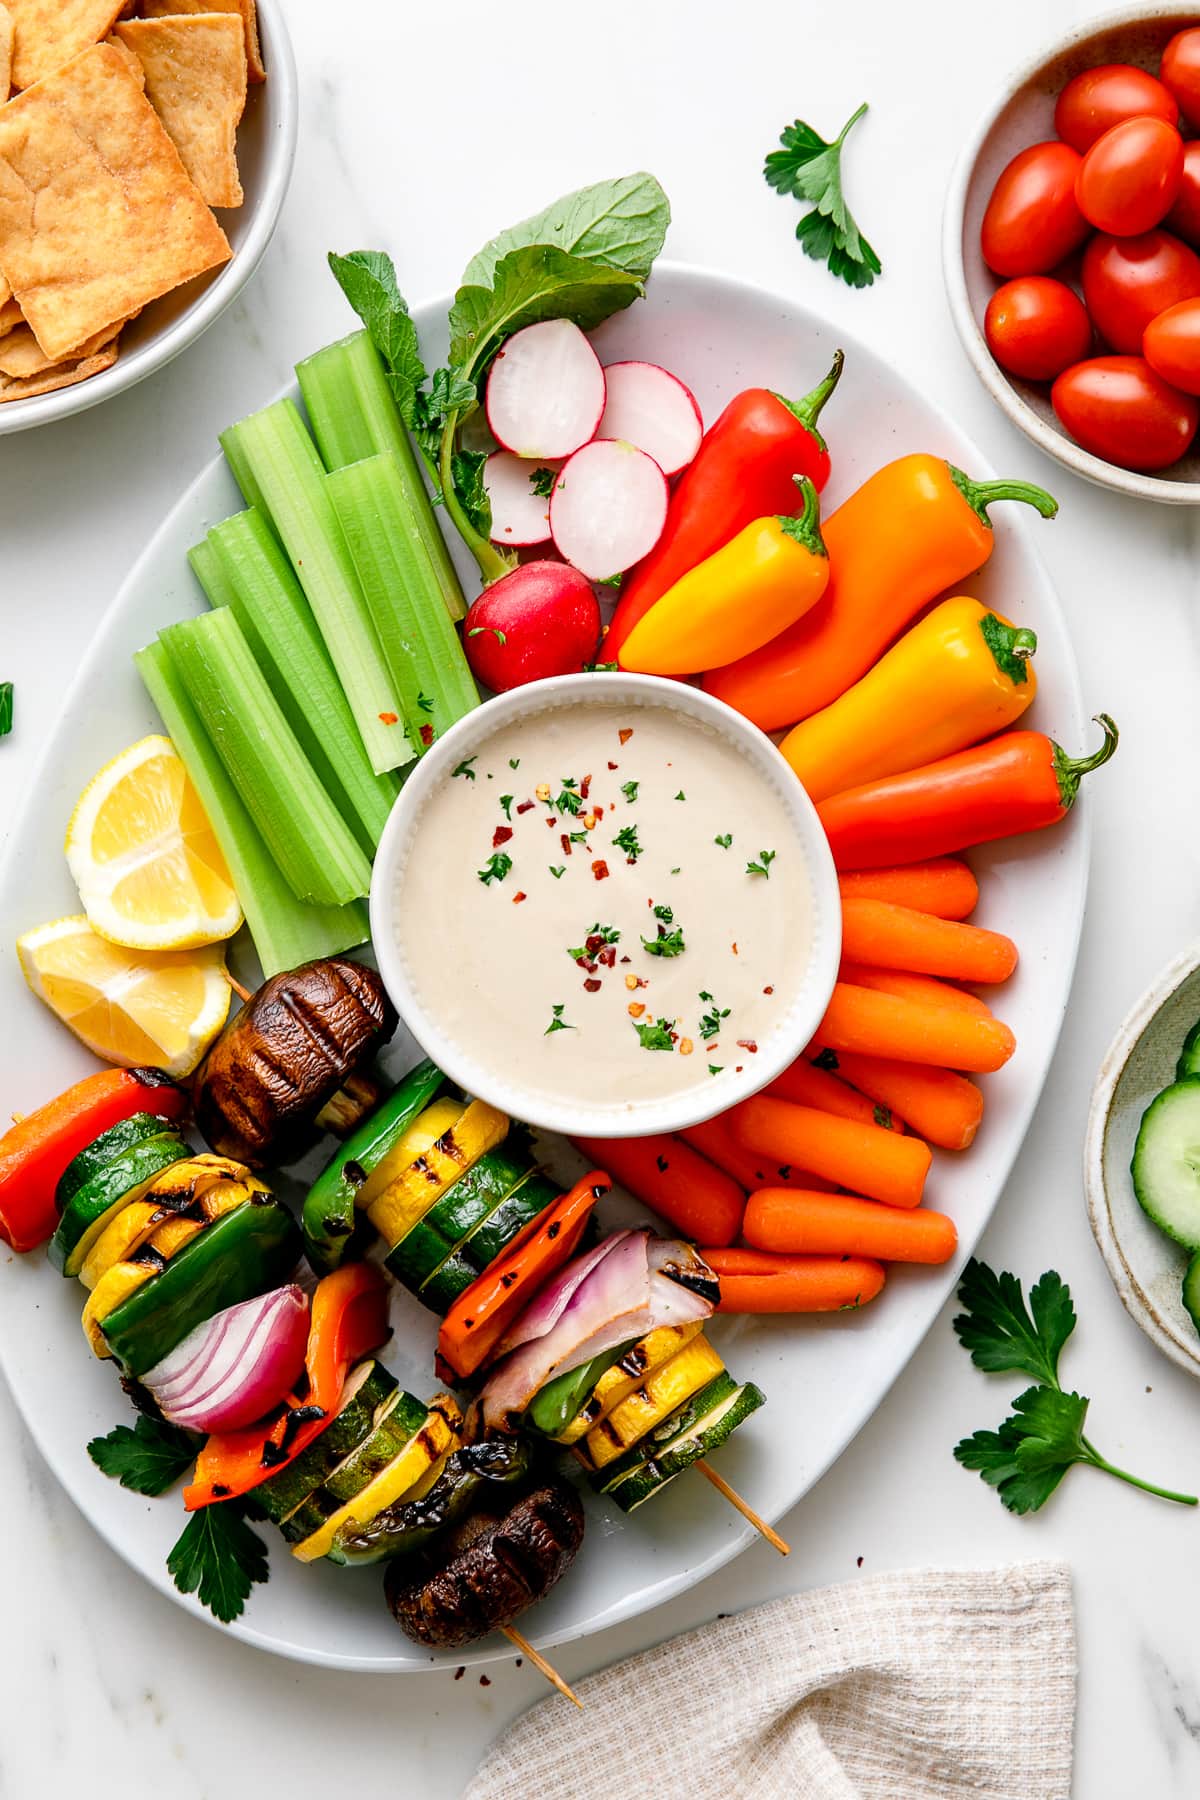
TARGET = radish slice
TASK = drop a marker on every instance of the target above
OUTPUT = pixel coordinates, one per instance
(520, 514)
(652, 408)
(608, 508)
(545, 392)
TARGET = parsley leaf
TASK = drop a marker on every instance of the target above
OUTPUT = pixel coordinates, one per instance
(464, 768)
(558, 1023)
(570, 800)
(607, 934)
(763, 865)
(655, 1034)
(667, 943)
(715, 1068)
(148, 1457)
(630, 791)
(557, 871)
(506, 801)
(665, 913)
(997, 1328)
(626, 841)
(514, 762)
(724, 840)
(425, 703)
(809, 168)
(496, 868)
(219, 1559)
(541, 483)
(710, 1024)
(6, 708)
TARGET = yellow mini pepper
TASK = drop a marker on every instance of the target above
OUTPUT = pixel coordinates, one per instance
(736, 600)
(961, 674)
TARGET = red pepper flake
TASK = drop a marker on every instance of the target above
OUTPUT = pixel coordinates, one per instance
(599, 811)
(389, 718)
(552, 821)
(735, 949)
(460, 1671)
(624, 959)
(625, 733)
(748, 1044)
(485, 1681)
(519, 896)
(600, 869)
(427, 735)
(592, 987)
(565, 841)
(768, 990)
(608, 957)
(584, 786)
(737, 1071)
(525, 806)
(614, 765)
(501, 835)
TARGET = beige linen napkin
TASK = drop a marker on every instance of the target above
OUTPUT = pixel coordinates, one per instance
(915, 1686)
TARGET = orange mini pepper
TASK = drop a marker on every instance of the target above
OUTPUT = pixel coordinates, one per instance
(915, 528)
(960, 675)
(737, 599)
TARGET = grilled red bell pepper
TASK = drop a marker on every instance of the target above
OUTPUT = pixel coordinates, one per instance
(744, 470)
(34, 1154)
(349, 1319)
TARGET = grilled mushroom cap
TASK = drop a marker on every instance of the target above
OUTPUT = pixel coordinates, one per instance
(496, 1568)
(285, 1055)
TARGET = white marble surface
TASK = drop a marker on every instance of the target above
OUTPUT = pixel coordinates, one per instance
(423, 130)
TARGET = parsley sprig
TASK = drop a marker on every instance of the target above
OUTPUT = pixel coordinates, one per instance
(147, 1457)
(570, 800)
(626, 841)
(1026, 1457)
(809, 168)
(763, 865)
(496, 868)
(219, 1559)
(655, 1034)
(558, 1023)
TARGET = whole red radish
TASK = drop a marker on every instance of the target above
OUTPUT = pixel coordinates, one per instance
(1130, 177)
(1129, 281)
(1097, 99)
(1172, 345)
(1119, 409)
(541, 620)
(1179, 72)
(1037, 327)
(1032, 220)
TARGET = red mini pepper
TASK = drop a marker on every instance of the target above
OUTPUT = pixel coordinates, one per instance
(744, 470)
(1020, 781)
(349, 1318)
(36, 1152)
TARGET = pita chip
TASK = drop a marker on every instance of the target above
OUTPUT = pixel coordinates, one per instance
(60, 376)
(7, 34)
(48, 33)
(195, 69)
(97, 213)
(244, 9)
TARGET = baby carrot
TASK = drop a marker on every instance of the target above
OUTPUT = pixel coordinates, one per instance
(840, 1224)
(925, 988)
(859, 1019)
(944, 1107)
(898, 937)
(716, 1141)
(663, 1172)
(816, 1086)
(945, 887)
(755, 1281)
(859, 1157)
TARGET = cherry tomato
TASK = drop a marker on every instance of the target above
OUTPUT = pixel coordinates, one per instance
(1128, 281)
(542, 619)
(1036, 327)
(1129, 178)
(1096, 100)
(1118, 408)
(1179, 72)
(1172, 345)
(1032, 221)
(1184, 217)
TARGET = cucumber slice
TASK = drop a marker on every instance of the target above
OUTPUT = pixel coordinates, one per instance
(366, 1389)
(105, 1149)
(682, 1420)
(1189, 1056)
(396, 1424)
(1166, 1162)
(532, 1197)
(120, 1182)
(700, 1437)
(1191, 1291)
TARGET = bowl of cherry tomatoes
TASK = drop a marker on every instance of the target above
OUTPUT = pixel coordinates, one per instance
(1071, 250)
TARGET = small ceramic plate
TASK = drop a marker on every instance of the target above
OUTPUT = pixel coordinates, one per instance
(1024, 115)
(1146, 1267)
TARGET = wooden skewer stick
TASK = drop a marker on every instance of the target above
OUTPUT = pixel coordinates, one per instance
(747, 1512)
(539, 1662)
(243, 993)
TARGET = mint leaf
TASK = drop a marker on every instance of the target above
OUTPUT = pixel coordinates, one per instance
(219, 1559)
(148, 1457)
(368, 280)
(619, 223)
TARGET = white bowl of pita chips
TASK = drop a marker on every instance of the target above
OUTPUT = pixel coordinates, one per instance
(158, 138)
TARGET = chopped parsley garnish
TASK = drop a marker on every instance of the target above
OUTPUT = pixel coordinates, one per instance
(577, 837)
(496, 868)
(715, 1068)
(464, 768)
(681, 795)
(541, 483)
(710, 1024)
(613, 581)
(478, 630)
(147, 1457)
(763, 865)
(506, 801)
(664, 913)
(654, 1034)
(667, 943)
(514, 762)
(630, 791)
(558, 1023)
(570, 800)
(219, 1559)
(597, 937)
(883, 1117)
(558, 872)
(425, 703)
(725, 840)
(626, 841)
(674, 871)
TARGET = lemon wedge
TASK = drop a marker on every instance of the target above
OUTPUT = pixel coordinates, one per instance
(134, 1008)
(149, 871)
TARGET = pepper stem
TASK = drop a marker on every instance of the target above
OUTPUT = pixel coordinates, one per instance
(808, 410)
(1011, 646)
(979, 495)
(1069, 771)
(804, 527)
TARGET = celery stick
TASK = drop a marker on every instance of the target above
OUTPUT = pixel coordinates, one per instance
(289, 479)
(218, 589)
(276, 620)
(286, 932)
(312, 844)
(353, 415)
(419, 642)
